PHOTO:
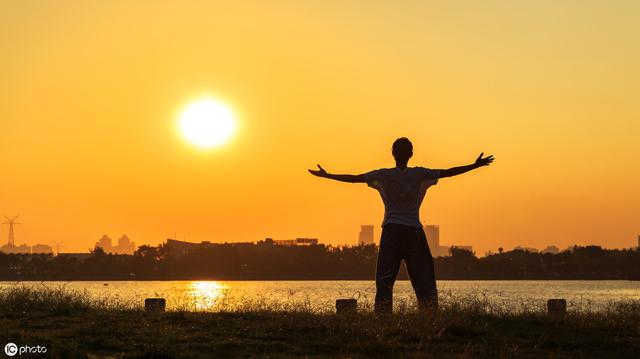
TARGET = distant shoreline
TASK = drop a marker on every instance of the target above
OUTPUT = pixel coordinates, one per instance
(268, 262)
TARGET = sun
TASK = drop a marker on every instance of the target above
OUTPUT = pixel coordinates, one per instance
(207, 123)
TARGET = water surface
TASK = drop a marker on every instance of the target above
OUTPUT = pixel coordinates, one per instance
(321, 295)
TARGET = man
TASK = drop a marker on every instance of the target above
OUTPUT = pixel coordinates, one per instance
(402, 190)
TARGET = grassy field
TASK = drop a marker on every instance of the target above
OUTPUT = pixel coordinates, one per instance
(72, 325)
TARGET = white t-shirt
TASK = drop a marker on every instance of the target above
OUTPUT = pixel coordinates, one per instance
(402, 191)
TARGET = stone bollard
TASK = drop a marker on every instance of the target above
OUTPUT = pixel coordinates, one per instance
(346, 306)
(154, 305)
(556, 307)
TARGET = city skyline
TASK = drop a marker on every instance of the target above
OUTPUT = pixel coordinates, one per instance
(366, 236)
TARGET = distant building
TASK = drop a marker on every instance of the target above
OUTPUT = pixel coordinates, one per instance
(296, 242)
(306, 241)
(105, 243)
(176, 247)
(25, 249)
(433, 239)
(13, 249)
(551, 249)
(125, 245)
(182, 247)
(41, 249)
(366, 234)
(525, 249)
(284, 242)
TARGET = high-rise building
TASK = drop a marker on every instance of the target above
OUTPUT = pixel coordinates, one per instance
(125, 246)
(432, 232)
(105, 243)
(124, 241)
(366, 235)
(433, 237)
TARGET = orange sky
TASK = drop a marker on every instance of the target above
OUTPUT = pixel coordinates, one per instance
(90, 92)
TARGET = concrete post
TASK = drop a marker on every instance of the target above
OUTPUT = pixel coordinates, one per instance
(556, 306)
(346, 306)
(154, 304)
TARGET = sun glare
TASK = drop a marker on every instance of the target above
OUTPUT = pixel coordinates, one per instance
(206, 294)
(207, 123)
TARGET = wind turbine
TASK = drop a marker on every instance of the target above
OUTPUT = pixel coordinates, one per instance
(11, 222)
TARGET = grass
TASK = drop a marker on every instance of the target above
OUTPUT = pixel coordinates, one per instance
(72, 324)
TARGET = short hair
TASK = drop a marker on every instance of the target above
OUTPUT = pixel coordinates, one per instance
(402, 148)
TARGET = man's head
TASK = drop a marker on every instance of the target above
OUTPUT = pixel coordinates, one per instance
(402, 150)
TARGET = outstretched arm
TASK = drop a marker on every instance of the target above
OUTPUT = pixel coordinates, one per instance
(320, 172)
(454, 171)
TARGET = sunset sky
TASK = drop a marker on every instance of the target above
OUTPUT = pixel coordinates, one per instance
(91, 92)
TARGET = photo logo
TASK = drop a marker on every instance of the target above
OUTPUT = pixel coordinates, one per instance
(11, 349)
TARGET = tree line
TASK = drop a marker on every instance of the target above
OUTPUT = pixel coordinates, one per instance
(267, 261)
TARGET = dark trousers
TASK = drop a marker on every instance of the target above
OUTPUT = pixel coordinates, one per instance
(400, 242)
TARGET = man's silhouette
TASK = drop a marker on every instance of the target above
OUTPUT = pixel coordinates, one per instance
(402, 190)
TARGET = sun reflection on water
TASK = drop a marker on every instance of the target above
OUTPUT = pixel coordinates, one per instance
(206, 294)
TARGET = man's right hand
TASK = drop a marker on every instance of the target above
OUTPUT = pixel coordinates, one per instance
(483, 161)
(319, 172)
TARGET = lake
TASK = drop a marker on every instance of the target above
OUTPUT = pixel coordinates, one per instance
(514, 295)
